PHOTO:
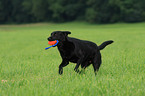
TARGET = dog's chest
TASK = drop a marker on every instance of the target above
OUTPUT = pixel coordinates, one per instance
(67, 51)
(70, 56)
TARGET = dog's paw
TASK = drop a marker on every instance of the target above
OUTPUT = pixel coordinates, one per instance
(60, 71)
(76, 70)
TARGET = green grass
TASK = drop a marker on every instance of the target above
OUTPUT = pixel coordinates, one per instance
(26, 69)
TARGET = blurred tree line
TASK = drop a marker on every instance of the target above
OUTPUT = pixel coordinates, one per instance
(94, 11)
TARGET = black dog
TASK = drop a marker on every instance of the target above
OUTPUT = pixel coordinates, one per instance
(77, 51)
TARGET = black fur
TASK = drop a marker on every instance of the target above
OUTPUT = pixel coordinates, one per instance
(77, 51)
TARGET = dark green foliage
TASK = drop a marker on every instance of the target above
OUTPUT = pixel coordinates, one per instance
(5, 10)
(66, 10)
(133, 11)
(103, 11)
(94, 11)
(18, 14)
(36, 10)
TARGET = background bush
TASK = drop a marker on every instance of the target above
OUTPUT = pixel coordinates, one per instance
(94, 11)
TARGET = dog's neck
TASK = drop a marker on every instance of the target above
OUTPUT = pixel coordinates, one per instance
(61, 43)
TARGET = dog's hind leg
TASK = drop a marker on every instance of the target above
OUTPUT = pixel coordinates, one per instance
(63, 64)
(83, 67)
(80, 61)
(96, 63)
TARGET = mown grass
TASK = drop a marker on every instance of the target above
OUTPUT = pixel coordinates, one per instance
(26, 69)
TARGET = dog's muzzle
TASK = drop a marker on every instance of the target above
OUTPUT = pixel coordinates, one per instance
(50, 39)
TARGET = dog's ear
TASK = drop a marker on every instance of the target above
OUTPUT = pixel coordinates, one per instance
(66, 32)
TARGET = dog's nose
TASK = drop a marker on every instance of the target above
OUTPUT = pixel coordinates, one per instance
(49, 39)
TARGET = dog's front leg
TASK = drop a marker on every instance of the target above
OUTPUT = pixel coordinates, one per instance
(63, 64)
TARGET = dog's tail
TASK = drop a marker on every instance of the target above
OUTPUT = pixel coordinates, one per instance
(104, 44)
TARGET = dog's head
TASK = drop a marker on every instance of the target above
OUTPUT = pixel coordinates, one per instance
(58, 35)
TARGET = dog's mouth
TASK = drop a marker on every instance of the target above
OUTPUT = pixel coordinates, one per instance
(50, 39)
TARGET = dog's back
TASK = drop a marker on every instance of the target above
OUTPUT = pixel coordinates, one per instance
(83, 44)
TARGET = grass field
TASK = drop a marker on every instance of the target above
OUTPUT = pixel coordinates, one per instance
(26, 69)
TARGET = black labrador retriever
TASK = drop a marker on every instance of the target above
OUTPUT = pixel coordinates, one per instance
(77, 51)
